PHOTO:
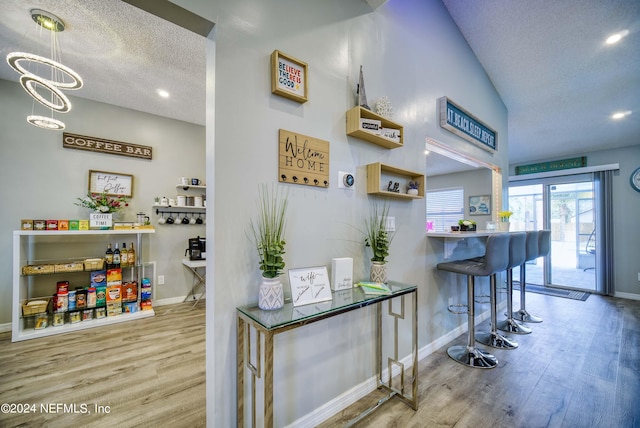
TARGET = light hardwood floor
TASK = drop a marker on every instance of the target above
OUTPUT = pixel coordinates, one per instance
(150, 372)
(579, 368)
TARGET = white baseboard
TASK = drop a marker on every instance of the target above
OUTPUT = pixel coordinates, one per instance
(346, 399)
(630, 296)
(170, 301)
(5, 327)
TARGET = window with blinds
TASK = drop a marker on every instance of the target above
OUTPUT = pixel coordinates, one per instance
(444, 208)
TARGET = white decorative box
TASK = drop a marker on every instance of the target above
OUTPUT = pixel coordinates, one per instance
(371, 125)
(341, 273)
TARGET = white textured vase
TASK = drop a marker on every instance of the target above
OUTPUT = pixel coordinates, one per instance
(271, 294)
(378, 272)
(412, 192)
(504, 226)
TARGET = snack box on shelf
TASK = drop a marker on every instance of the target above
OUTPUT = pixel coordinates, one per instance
(146, 305)
(130, 291)
(114, 276)
(99, 278)
(114, 294)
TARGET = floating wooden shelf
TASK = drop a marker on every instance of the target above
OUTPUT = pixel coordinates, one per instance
(376, 183)
(354, 130)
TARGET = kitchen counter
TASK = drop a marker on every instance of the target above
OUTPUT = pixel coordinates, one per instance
(456, 248)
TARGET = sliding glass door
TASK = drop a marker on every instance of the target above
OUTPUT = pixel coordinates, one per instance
(566, 206)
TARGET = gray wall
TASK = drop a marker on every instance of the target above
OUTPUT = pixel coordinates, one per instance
(410, 51)
(41, 180)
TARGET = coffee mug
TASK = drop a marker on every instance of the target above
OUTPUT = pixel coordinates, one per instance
(195, 181)
(161, 220)
(192, 221)
(185, 220)
(184, 181)
(170, 220)
(199, 220)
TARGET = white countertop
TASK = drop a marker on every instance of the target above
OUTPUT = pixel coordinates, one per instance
(462, 235)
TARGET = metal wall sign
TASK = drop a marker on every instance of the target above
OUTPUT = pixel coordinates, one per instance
(552, 165)
(92, 144)
(462, 123)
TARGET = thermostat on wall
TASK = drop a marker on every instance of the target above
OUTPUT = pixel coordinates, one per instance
(346, 180)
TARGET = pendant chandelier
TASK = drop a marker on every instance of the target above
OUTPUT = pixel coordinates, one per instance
(59, 76)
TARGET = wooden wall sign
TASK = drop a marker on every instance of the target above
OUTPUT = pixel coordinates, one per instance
(92, 144)
(303, 160)
(455, 119)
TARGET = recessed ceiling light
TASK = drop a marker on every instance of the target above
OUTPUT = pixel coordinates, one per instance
(620, 114)
(615, 38)
(163, 93)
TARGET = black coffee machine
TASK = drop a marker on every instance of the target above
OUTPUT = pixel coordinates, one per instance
(197, 248)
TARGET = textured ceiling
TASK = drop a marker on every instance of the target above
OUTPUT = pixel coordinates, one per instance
(559, 81)
(546, 58)
(123, 54)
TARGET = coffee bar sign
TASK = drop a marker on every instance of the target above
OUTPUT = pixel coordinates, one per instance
(81, 142)
(462, 123)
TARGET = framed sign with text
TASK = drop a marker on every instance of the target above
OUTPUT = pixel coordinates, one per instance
(111, 183)
(309, 285)
(289, 77)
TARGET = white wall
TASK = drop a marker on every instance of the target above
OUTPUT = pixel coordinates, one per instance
(412, 52)
(39, 179)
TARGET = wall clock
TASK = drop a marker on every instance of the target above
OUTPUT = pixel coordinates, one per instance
(635, 180)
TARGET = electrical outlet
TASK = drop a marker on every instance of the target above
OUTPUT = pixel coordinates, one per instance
(391, 224)
(160, 279)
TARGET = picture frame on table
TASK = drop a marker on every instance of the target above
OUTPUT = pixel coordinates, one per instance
(480, 205)
(289, 77)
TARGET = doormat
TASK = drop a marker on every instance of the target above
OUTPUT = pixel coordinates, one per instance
(558, 292)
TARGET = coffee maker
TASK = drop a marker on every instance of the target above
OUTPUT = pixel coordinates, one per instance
(197, 248)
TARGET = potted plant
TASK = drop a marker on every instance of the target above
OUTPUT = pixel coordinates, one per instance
(504, 224)
(413, 188)
(378, 239)
(102, 203)
(268, 233)
(467, 225)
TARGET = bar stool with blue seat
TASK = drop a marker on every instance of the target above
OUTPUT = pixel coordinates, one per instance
(532, 253)
(517, 255)
(495, 260)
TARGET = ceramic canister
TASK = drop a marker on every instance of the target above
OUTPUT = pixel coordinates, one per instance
(197, 201)
(182, 200)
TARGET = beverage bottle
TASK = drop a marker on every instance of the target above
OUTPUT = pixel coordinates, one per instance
(116, 257)
(108, 256)
(124, 256)
(132, 255)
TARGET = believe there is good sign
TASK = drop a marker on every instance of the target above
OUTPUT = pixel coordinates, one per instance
(82, 142)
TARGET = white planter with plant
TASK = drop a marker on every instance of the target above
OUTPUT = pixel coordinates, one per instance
(378, 239)
(504, 224)
(268, 232)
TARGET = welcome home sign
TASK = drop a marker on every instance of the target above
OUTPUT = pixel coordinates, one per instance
(462, 123)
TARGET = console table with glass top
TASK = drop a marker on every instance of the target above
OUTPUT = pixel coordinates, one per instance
(270, 323)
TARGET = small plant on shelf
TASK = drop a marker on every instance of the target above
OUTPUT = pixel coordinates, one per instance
(468, 225)
(102, 203)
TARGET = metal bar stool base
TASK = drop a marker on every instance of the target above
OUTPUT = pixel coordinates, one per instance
(472, 357)
(496, 340)
(512, 326)
(524, 316)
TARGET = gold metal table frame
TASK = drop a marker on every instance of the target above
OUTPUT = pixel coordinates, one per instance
(269, 323)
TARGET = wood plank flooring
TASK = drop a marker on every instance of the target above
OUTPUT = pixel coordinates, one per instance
(579, 368)
(150, 372)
